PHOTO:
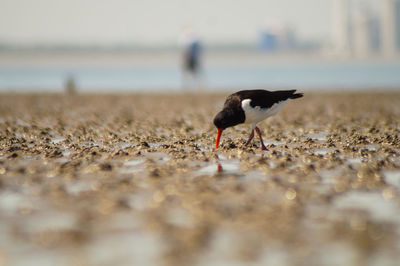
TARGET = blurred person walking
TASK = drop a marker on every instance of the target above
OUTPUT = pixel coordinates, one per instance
(191, 63)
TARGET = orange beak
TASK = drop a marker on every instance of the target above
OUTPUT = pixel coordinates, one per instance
(219, 133)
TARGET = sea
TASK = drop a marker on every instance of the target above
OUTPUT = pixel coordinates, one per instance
(108, 78)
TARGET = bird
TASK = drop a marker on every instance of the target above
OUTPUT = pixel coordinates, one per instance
(251, 107)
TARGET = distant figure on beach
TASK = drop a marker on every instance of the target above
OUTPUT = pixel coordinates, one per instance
(70, 85)
(191, 63)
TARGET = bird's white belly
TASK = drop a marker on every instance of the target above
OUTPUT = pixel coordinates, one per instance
(257, 114)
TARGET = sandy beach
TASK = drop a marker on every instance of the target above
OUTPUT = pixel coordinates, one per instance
(133, 180)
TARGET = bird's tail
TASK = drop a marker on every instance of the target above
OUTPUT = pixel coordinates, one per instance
(296, 95)
(286, 94)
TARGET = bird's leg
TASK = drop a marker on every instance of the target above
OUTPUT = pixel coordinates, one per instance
(250, 137)
(263, 148)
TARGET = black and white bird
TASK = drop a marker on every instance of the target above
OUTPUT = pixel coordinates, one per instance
(251, 107)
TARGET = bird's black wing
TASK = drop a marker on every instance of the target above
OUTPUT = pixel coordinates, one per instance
(266, 99)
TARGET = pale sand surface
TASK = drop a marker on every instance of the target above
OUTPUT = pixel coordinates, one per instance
(134, 180)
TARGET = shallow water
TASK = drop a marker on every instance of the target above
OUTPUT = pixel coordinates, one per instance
(375, 206)
(392, 178)
(157, 78)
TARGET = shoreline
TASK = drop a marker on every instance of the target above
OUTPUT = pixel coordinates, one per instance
(172, 58)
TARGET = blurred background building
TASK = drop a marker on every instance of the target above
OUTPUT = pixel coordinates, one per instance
(278, 37)
(390, 27)
(362, 30)
(341, 28)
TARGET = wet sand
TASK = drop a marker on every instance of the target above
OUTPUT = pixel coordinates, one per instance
(134, 180)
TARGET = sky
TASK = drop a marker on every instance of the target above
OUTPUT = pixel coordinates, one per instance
(157, 22)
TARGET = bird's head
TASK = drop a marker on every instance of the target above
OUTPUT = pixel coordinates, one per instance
(224, 119)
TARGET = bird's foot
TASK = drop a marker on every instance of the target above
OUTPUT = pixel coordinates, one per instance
(263, 148)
